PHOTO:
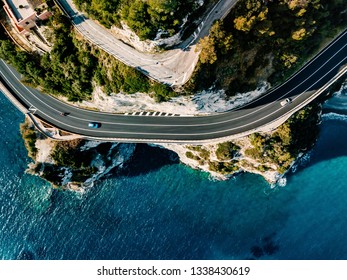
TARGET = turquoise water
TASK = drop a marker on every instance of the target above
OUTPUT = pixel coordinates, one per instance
(160, 209)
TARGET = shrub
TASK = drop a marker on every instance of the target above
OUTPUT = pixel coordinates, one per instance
(67, 153)
(226, 150)
(29, 136)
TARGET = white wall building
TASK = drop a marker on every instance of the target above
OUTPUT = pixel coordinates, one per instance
(24, 13)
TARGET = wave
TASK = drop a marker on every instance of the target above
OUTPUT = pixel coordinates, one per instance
(282, 182)
(342, 90)
(302, 161)
(338, 100)
(334, 116)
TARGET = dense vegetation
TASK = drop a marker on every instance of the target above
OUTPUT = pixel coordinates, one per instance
(225, 153)
(115, 76)
(72, 66)
(274, 151)
(68, 154)
(75, 162)
(283, 146)
(265, 40)
(65, 70)
(29, 135)
(145, 18)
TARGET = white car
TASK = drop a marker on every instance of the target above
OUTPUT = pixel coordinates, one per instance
(285, 102)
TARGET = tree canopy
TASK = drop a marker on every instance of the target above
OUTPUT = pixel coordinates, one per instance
(145, 18)
(264, 41)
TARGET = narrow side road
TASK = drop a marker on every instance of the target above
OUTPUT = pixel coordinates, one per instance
(173, 67)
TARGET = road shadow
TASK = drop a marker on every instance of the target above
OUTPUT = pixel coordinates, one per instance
(266, 98)
(79, 19)
(143, 71)
(66, 7)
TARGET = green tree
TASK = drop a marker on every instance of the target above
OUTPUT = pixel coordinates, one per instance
(299, 34)
(138, 19)
(226, 150)
(218, 41)
(207, 50)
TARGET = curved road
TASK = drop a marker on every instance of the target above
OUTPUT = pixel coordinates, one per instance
(173, 67)
(302, 88)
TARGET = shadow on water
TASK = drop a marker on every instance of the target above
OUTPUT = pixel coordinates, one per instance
(146, 159)
(331, 144)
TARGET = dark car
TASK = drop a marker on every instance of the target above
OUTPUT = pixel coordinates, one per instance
(94, 124)
(285, 102)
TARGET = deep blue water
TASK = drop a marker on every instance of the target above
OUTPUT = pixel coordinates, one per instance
(165, 210)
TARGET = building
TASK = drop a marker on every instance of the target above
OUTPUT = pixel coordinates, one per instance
(25, 13)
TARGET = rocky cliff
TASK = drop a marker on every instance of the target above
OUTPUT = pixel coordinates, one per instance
(77, 164)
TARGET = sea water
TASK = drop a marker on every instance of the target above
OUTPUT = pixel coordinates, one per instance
(160, 209)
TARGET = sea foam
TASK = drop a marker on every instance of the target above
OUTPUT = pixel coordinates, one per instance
(334, 116)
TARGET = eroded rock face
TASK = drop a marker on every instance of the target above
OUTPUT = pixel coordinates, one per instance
(269, 154)
(75, 165)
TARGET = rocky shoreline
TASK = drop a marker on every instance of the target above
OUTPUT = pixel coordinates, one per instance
(76, 164)
(79, 164)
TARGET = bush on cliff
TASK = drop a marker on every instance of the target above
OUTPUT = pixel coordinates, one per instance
(283, 146)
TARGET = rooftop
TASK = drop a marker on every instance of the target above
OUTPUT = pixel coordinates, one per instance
(20, 8)
(35, 3)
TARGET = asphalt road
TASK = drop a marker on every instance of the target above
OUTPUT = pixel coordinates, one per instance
(173, 67)
(301, 88)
